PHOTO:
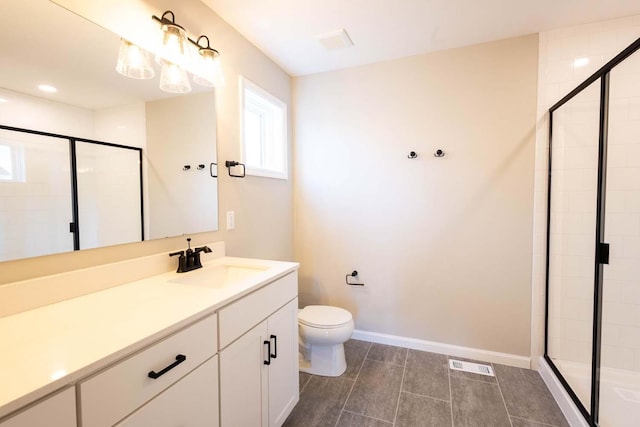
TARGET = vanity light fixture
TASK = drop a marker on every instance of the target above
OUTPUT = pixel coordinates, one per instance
(209, 72)
(133, 61)
(173, 78)
(174, 38)
(179, 54)
(205, 64)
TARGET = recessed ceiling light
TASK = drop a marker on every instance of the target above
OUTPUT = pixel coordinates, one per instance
(47, 88)
(580, 62)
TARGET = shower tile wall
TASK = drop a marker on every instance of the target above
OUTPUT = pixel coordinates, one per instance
(566, 57)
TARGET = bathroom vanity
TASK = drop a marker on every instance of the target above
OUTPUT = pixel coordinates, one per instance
(215, 346)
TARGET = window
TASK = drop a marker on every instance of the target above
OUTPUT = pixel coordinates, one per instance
(11, 163)
(263, 119)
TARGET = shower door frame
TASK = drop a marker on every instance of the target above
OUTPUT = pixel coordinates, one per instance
(602, 248)
(74, 226)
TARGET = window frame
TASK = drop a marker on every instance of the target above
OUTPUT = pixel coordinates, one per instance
(270, 102)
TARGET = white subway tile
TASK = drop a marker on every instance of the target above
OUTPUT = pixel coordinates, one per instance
(630, 337)
(617, 357)
(619, 314)
(577, 330)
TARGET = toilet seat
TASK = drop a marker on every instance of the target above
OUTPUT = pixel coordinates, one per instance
(324, 316)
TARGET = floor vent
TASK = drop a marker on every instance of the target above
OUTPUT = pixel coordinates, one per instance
(475, 368)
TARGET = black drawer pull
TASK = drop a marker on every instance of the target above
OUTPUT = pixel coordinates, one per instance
(275, 346)
(179, 359)
(268, 344)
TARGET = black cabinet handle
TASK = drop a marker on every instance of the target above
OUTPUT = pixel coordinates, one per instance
(275, 346)
(268, 344)
(179, 359)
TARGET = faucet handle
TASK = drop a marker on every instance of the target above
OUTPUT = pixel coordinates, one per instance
(181, 253)
(205, 249)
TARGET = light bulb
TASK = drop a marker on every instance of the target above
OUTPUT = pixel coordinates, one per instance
(174, 79)
(133, 61)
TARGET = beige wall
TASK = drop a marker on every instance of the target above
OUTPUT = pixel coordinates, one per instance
(263, 206)
(443, 245)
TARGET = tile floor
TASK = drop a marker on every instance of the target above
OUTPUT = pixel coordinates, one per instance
(393, 386)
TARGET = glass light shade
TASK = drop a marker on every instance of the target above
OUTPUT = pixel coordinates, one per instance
(209, 71)
(133, 61)
(174, 40)
(174, 79)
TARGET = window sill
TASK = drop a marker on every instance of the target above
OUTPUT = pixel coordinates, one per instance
(265, 173)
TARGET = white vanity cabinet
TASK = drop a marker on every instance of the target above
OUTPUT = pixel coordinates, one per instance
(58, 410)
(259, 356)
(192, 401)
(171, 370)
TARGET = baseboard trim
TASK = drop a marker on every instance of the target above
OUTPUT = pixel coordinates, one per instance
(569, 409)
(441, 348)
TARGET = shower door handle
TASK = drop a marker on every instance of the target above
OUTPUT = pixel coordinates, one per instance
(603, 253)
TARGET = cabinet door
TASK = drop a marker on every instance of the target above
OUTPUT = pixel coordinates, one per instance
(56, 411)
(192, 401)
(243, 380)
(283, 371)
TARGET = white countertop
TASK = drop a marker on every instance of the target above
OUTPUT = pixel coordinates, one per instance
(47, 348)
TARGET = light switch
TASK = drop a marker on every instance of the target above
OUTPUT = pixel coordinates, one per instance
(231, 220)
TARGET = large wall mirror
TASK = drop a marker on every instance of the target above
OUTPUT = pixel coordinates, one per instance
(104, 159)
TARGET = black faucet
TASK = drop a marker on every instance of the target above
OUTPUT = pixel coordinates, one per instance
(190, 258)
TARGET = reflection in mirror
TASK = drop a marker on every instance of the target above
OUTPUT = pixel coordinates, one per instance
(40, 195)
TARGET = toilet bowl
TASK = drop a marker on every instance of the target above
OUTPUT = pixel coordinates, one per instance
(322, 331)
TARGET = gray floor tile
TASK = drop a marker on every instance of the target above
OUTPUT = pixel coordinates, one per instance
(520, 422)
(387, 354)
(477, 404)
(427, 374)
(420, 411)
(471, 375)
(349, 419)
(354, 351)
(526, 396)
(375, 393)
(320, 402)
(303, 379)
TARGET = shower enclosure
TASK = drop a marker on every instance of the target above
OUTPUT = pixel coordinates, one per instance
(61, 193)
(592, 332)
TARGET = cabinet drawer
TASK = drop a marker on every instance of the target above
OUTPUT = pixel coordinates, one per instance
(56, 411)
(192, 401)
(242, 315)
(113, 394)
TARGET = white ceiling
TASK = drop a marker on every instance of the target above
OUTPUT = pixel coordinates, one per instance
(386, 29)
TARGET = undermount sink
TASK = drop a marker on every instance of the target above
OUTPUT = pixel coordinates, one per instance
(218, 275)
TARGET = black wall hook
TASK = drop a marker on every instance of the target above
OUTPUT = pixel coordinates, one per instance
(186, 167)
(354, 273)
(438, 153)
(412, 155)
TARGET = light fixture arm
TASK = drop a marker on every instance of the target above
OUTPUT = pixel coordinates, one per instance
(164, 20)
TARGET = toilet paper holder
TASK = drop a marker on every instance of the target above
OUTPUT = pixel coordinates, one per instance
(354, 273)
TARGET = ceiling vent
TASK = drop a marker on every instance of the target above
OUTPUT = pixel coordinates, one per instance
(334, 40)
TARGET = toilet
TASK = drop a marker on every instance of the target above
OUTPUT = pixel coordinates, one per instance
(323, 330)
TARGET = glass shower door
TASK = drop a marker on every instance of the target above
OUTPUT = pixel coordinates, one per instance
(620, 360)
(35, 195)
(572, 236)
(109, 195)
